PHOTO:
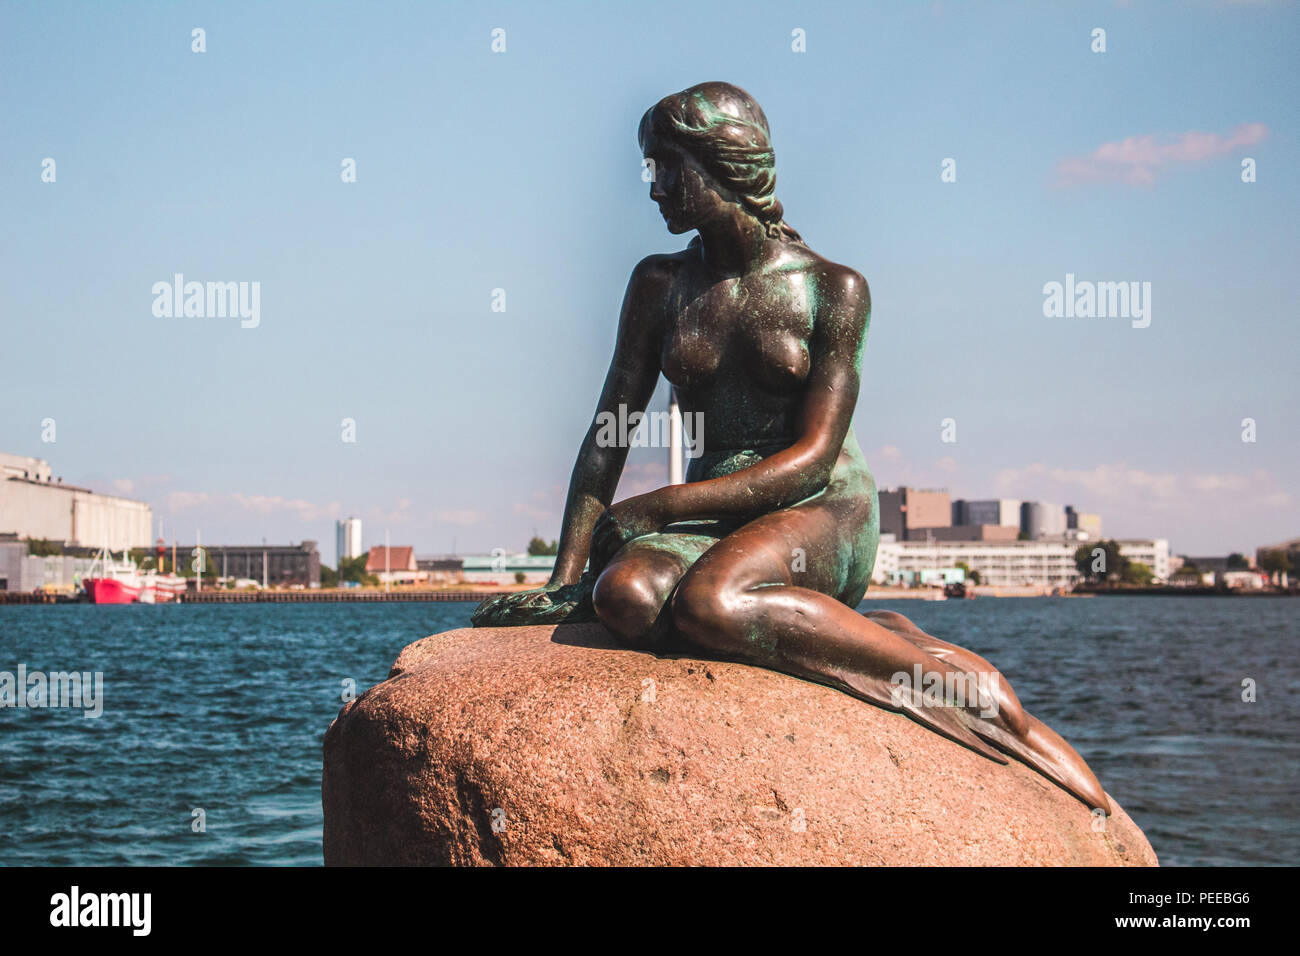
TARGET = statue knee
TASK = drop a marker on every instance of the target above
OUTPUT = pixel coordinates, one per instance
(890, 619)
(708, 614)
(629, 601)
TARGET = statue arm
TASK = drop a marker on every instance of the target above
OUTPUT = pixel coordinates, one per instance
(633, 374)
(803, 469)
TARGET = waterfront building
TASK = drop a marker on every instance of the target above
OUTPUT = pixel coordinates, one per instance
(501, 568)
(34, 504)
(1289, 548)
(1045, 563)
(1244, 580)
(441, 568)
(395, 565)
(347, 535)
(1153, 552)
(886, 566)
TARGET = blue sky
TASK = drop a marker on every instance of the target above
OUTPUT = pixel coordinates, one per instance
(519, 170)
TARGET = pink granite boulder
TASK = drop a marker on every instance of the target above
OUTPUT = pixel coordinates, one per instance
(545, 745)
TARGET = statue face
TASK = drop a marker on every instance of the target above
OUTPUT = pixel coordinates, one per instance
(687, 196)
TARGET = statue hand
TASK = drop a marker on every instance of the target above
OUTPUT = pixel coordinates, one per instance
(550, 604)
(621, 523)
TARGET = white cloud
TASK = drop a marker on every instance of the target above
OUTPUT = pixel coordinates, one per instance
(460, 516)
(1162, 490)
(188, 500)
(272, 504)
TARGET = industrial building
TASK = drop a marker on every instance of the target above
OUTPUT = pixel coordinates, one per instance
(34, 504)
(1039, 520)
(20, 571)
(283, 565)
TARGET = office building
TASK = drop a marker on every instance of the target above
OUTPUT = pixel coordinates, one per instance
(1004, 512)
(906, 512)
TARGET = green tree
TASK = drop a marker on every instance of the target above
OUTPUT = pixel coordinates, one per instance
(43, 548)
(329, 578)
(353, 569)
(538, 546)
(1237, 562)
(1137, 573)
(1109, 565)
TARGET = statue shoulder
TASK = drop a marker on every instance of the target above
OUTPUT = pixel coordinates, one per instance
(656, 273)
(838, 285)
(846, 285)
(662, 264)
(844, 295)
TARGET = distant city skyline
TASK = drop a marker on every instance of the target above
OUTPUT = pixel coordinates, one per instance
(377, 381)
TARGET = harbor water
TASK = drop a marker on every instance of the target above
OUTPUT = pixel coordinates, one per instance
(216, 713)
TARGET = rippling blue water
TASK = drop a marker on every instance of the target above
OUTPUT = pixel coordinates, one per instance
(224, 707)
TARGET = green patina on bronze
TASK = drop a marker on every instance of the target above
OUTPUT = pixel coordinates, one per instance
(765, 551)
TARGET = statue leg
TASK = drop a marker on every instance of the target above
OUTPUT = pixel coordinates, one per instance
(631, 594)
(746, 599)
(1009, 706)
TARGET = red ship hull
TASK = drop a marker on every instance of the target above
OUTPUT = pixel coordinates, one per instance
(110, 591)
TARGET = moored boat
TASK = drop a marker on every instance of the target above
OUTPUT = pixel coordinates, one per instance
(110, 581)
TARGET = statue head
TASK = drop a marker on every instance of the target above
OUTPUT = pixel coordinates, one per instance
(712, 152)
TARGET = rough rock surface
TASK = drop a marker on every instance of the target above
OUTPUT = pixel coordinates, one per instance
(546, 745)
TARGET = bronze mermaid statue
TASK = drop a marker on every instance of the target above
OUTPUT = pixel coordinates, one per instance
(766, 550)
